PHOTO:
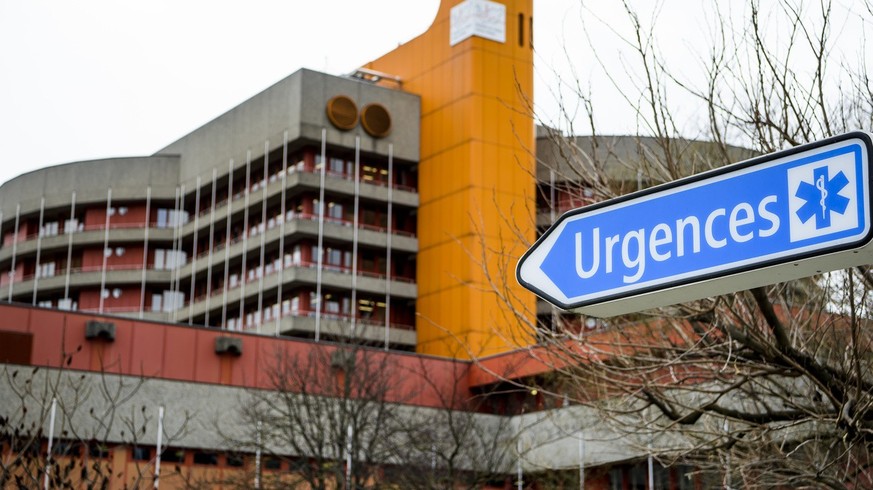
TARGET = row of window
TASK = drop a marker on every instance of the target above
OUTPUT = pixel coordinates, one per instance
(336, 306)
(164, 218)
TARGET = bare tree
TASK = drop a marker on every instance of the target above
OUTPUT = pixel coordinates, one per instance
(767, 387)
(91, 414)
(326, 407)
(453, 444)
(349, 416)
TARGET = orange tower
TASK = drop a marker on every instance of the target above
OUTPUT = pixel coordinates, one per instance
(473, 69)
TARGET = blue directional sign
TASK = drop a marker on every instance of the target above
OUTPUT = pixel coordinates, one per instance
(770, 219)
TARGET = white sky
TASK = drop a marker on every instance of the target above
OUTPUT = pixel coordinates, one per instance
(91, 79)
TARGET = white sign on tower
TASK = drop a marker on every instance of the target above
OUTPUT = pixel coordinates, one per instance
(482, 18)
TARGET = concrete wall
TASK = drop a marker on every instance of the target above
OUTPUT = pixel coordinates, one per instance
(296, 104)
(127, 177)
(203, 416)
(619, 157)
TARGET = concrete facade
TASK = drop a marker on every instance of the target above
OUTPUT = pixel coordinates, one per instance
(178, 235)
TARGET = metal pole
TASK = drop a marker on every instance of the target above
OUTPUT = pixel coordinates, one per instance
(582, 462)
(349, 448)
(174, 219)
(388, 275)
(320, 257)
(145, 250)
(177, 252)
(37, 271)
(14, 249)
(281, 271)
(651, 467)
(355, 222)
(51, 435)
(262, 269)
(158, 446)
(519, 482)
(245, 240)
(194, 253)
(105, 249)
(258, 456)
(211, 247)
(727, 473)
(70, 246)
(227, 244)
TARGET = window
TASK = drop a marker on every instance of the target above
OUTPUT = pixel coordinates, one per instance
(273, 463)
(49, 229)
(46, 270)
(65, 448)
(235, 460)
(173, 300)
(168, 218)
(206, 458)
(66, 304)
(334, 257)
(521, 30)
(170, 259)
(335, 210)
(71, 225)
(173, 455)
(167, 301)
(331, 305)
(337, 166)
(375, 218)
(373, 174)
(141, 453)
(157, 302)
(98, 450)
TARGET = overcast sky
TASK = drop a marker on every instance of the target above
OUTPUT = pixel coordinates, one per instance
(91, 79)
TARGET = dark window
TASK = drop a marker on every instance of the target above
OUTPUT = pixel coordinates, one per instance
(173, 455)
(273, 463)
(141, 453)
(235, 460)
(65, 448)
(521, 30)
(97, 450)
(205, 457)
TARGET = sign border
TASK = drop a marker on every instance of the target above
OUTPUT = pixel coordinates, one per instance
(866, 139)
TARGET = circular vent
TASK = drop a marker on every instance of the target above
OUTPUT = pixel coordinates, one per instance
(376, 120)
(342, 112)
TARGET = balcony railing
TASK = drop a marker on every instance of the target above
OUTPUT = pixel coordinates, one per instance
(297, 264)
(299, 168)
(257, 319)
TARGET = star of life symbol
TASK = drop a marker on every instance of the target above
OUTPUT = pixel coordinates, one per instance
(819, 198)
